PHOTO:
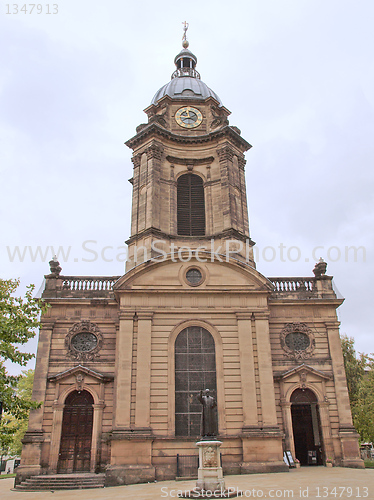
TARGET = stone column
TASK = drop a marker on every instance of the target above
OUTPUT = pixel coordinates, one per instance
(347, 433)
(288, 428)
(58, 412)
(247, 370)
(96, 435)
(143, 373)
(326, 429)
(40, 377)
(341, 391)
(135, 194)
(34, 437)
(124, 346)
(225, 155)
(265, 368)
(154, 155)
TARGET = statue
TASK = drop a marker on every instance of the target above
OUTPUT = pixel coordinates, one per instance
(55, 267)
(208, 417)
(320, 268)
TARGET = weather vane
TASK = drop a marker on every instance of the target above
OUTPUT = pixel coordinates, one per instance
(184, 38)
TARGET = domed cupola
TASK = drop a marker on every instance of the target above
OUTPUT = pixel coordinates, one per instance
(185, 81)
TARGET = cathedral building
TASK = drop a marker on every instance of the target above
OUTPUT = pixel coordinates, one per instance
(122, 359)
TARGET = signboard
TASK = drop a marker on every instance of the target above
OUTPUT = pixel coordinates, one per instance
(288, 460)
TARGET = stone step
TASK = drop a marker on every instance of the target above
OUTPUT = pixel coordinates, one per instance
(62, 482)
(58, 480)
(46, 487)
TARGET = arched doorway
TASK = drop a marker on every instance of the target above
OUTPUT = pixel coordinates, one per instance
(306, 427)
(76, 433)
(195, 369)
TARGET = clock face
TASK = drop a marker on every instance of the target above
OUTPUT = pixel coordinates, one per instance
(188, 117)
(84, 341)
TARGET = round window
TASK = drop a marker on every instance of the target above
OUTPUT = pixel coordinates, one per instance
(84, 341)
(194, 276)
(297, 341)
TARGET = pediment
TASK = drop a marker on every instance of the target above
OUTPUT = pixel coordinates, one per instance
(302, 369)
(76, 370)
(217, 276)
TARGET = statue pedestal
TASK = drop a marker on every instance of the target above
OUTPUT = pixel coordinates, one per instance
(210, 475)
(210, 482)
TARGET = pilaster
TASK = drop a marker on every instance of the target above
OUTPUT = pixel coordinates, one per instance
(40, 377)
(225, 155)
(154, 156)
(124, 347)
(143, 372)
(58, 412)
(136, 159)
(265, 367)
(247, 369)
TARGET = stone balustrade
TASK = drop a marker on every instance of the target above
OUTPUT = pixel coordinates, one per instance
(295, 286)
(92, 283)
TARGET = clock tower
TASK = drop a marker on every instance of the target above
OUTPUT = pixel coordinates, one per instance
(188, 181)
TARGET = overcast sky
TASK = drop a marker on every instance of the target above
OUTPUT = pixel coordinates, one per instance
(298, 77)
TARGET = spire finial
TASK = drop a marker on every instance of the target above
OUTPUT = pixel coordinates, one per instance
(185, 42)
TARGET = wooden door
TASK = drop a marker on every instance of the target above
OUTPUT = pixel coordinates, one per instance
(76, 434)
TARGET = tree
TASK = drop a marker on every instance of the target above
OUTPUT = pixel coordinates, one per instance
(363, 410)
(359, 371)
(19, 318)
(12, 430)
(354, 367)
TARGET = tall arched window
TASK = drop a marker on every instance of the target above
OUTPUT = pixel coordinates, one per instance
(195, 370)
(190, 205)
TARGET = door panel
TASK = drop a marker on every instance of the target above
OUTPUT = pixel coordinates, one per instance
(76, 435)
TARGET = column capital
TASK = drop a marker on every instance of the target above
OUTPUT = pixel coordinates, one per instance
(332, 325)
(58, 406)
(47, 324)
(136, 159)
(226, 153)
(126, 315)
(242, 316)
(241, 162)
(261, 315)
(155, 150)
(144, 315)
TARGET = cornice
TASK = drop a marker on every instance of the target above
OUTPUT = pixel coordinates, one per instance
(155, 129)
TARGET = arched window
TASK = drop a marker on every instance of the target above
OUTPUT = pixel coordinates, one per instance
(190, 205)
(195, 370)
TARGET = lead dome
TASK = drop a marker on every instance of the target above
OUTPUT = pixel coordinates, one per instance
(185, 81)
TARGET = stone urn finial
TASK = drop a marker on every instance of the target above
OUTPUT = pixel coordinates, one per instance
(320, 268)
(55, 267)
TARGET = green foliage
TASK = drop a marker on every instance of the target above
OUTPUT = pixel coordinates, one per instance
(359, 370)
(363, 409)
(354, 367)
(19, 318)
(8, 427)
(369, 464)
(13, 429)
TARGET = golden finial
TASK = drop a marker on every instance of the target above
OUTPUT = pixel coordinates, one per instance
(185, 42)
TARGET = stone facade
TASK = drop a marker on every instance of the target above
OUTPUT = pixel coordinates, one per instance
(276, 340)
